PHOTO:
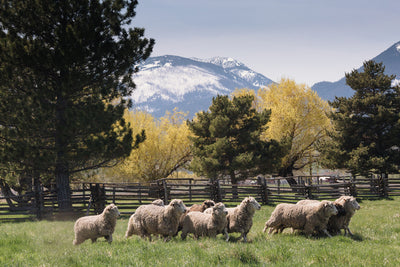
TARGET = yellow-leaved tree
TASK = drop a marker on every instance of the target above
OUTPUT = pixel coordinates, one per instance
(298, 121)
(165, 149)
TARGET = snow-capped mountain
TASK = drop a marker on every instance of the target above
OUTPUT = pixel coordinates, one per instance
(390, 59)
(189, 84)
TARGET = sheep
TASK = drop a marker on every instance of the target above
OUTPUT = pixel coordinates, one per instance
(202, 207)
(157, 220)
(348, 205)
(240, 218)
(206, 224)
(308, 218)
(95, 226)
(158, 202)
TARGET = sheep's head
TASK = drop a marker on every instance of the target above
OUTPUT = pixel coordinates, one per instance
(178, 205)
(208, 204)
(348, 202)
(112, 210)
(352, 203)
(251, 203)
(158, 202)
(219, 209)
(329, 208)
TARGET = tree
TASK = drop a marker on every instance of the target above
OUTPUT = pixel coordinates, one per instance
(367, 125)
(165, 149)
(298, 121)
(226, 140)
(66, 70)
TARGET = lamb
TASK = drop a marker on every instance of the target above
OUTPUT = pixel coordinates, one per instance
(348, 205)
(206, 224)
(309, 218)
(157, 220)
(158, 202)
(95, 226)
(202, 207)
(240, 218)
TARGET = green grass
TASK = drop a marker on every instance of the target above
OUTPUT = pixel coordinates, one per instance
(49, 243)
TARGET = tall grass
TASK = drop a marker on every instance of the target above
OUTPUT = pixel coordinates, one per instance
(49, 243)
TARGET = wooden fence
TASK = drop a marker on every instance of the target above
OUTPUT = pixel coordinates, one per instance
(91, 198)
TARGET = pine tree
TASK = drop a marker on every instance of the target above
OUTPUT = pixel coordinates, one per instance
(226, 140)
(65, 72)
(367, 125)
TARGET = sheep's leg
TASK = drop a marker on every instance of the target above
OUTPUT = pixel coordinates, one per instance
(326, 232)
(226, 234)
(183, 235)
(109, 238)
(347, 231)
(265, 228)
(77, 241)
(244, 236)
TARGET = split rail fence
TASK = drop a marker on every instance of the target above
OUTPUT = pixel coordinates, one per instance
(91, 198)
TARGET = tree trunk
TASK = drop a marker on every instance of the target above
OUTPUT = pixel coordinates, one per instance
(61, 145)
(63, 188)
(288, 174)
(234, 182)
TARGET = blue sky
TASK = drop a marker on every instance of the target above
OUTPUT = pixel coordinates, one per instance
(305, 40)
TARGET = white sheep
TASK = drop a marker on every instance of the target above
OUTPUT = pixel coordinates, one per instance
(157, 220)
(309, 218)
(206, 224)
(240, 218)
(95, 226)
(347, 206)
(158, 202)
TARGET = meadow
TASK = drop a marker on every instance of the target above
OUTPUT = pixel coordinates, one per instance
(376, 242)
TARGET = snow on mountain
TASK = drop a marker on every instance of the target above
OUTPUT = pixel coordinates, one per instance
(166, 82)
(390, 59)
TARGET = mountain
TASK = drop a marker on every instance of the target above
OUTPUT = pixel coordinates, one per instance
(390, 59)
(166, 82)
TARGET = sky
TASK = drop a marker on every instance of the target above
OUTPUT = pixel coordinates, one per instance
(305, 40)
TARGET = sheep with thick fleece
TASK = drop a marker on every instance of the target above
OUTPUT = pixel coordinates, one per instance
(202, 207)
(95, 226)
(157, 220)
(158, 202)
(206, 224)
(309, 218)
(240, 218)
(349, 205)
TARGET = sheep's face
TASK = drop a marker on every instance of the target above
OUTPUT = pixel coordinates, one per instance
(178, 205)
(112, 210)
(220, 209)
(329, 208)
(352, 203)
(252, 203)
(208, 204)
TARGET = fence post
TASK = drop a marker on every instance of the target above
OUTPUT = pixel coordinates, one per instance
(140, 193)
(383, 185)
(190, 190)
(262, 182)
(113, 194)
(165, 192)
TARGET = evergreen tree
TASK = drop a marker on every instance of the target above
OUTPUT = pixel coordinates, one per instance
(367, 125)
(226, 140)
(65, 72)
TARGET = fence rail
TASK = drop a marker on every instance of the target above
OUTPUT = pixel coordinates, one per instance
(91, 198)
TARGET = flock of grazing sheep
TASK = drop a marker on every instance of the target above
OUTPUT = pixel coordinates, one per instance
(210, 219)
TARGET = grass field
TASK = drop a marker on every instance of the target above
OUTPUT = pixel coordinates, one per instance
(49, 243)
